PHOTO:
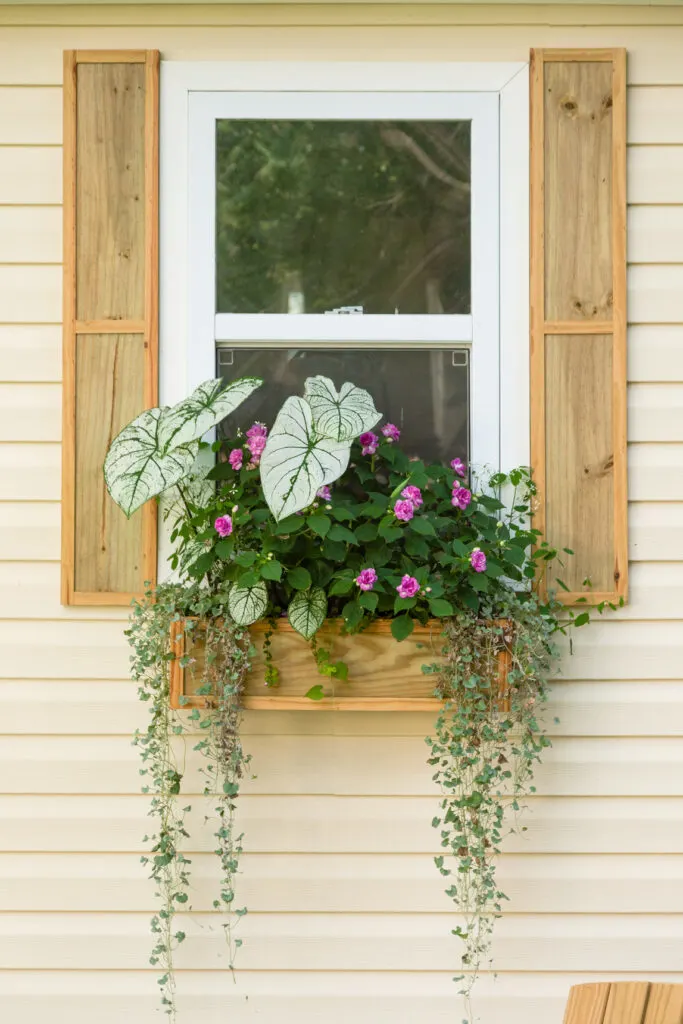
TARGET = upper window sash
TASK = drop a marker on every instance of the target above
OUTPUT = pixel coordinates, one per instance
(481, 109)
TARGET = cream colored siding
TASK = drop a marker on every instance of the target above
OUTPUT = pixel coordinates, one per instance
(348, 921)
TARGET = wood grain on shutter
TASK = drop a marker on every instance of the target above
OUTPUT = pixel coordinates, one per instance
(110, 312)
(578, 314)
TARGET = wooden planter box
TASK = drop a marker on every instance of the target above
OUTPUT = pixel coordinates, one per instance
(384, 675)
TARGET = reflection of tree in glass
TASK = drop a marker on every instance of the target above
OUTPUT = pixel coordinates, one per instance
(371, 213)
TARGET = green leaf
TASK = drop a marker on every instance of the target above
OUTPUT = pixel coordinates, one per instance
(342, 586)
(247, 604)
(342, 514)
(202, 564)
(418, 524)
(440, 608)
(582, 619)
(299, 578)
(319, 524)
(368, 600)
(290, 524)
(138, 466)
(343, 414)
(246, 558)
(208, 404)
(316, 692)
(271, 570)
(224, 548)
(366, 532)
(307, 611)
(389, 531)
(342, 533)
(352, 613)
(404, 604)
(416, 547)
(401, 627)
(298, 460)
(480, 583)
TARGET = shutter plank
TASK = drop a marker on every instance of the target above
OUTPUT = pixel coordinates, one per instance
(110, 187)
(110, 312)
(578, 315)
(106, 559)
(579, 477)
(578, 159)
(586, 1004)
(665, 1005)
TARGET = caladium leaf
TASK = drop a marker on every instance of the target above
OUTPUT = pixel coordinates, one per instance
(247, 604)
(341, 415)
(137, 466)
(208, 404)
(297, 460)
(307, 611)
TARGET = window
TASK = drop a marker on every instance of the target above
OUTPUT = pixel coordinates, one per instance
(346, 220)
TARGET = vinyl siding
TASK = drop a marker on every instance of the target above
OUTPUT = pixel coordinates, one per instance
(348, 920)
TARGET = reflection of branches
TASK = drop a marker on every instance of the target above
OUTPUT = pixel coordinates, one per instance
(458, 156)
(419, 267)
(398, 139)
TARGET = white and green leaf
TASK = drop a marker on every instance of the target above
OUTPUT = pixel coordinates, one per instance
(208, 404)
(297, 461)
(248, 604)
(342, 415)
(137, 466)
(307, 611)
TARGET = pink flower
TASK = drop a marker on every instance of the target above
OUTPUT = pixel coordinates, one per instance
(461, 498)
(458, 466)
(223, 526)
(366, 579)
(408, 587)
(413, 495)
(256, 441)
(404, 510)
(324, 492)
(391, 432)
(235, 458)
(478, 560)
(369, 442)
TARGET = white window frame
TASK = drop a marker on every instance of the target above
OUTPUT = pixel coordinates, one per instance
(494, 95)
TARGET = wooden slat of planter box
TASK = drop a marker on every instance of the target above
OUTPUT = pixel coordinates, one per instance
(384, 675)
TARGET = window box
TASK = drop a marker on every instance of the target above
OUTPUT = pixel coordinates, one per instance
(384, 675)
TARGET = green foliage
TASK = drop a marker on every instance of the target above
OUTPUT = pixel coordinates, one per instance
(476, 568)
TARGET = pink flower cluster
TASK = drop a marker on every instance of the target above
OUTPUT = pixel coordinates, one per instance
(391, 432)
(369, 442)
(408, 587)
(478, 560)
(324, 492)
(413, 495)
(404, 510)
(256, 442)
(461, 496)
(366, 579)
(235, 458)
(223, 526)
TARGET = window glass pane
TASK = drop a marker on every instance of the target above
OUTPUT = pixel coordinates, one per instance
(313, 216)
(425, 393)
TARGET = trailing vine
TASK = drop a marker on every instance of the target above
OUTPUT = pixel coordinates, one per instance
(220, 674)
(488, 737)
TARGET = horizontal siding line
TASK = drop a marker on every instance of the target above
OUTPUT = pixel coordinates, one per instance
(30, 145)
(447, 912)
(42, 206)
(422, 971)
(654, 145)
(50, 263)
(317, 855)
(196, 795)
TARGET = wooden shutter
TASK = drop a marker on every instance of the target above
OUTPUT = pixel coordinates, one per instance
(578, 313)
(111, 101)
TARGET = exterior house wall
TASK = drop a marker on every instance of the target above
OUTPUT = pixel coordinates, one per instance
(348, 920)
